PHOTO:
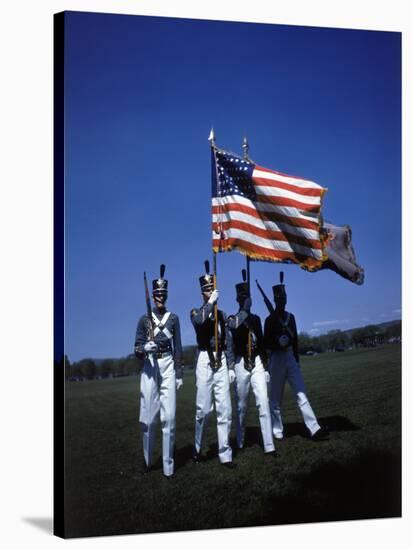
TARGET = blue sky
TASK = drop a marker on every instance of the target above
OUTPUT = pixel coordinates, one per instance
(141, 96)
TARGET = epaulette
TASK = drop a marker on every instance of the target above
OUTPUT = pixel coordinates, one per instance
(193, 312)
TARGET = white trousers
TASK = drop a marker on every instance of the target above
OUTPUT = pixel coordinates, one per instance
(282, 367)
(158, 398)
(216, 382)
(257, 379)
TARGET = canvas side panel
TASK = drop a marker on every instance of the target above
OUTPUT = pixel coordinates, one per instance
(58, 285)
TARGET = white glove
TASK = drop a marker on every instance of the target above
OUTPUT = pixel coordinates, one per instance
(283, 340)
(267, 376)
(179, 383)
(150, 347)
(232, 376)
(213, 297)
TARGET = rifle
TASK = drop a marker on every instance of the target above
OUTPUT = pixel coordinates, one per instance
(215, 310)
(246, 278)
(216, 314)
(265, 298)
(150, 328)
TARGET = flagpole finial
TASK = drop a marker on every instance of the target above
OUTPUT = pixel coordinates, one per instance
(245, 147)
(211, 137)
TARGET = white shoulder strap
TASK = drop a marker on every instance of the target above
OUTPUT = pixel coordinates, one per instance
(160, 325)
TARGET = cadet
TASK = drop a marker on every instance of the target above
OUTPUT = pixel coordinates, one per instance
(281, 339)
(212, 374)
(250, 359)
(158, 342)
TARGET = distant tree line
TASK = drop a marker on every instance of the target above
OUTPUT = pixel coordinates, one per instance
(92, 369)
(334, 340)
(338, 340)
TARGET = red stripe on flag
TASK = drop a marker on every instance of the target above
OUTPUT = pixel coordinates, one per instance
(267, 233)
(268, 216)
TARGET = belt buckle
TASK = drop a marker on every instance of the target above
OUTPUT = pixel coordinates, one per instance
(248, 363)
(216, 365)
(217, 361)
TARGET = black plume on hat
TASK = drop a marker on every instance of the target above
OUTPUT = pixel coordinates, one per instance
(242, 289)
(206, 281)
(279, 290)
(160, 285)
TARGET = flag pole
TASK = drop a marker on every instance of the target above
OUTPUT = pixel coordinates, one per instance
(245, 147)
(215, 311)
(211, 140)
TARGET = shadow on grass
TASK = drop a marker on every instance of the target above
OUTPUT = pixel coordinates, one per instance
(334, 423)
(365, 488)
(253, 437)
(184, 455)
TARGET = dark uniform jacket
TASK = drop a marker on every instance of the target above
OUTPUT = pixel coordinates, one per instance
(164, 345)
(276, 326)
(204, 324)
(240, 325)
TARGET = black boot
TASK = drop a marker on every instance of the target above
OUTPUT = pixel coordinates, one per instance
(197, 457)
(321, 435)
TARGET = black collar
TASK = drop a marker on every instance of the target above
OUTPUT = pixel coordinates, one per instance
(157, 312)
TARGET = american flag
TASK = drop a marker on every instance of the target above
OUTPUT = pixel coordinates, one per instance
(265, 214)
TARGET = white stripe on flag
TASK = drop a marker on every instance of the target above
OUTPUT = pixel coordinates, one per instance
(305, 184)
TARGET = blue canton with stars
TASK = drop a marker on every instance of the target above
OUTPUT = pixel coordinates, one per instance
(231, 175)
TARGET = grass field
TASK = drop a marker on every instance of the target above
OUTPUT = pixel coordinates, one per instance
(356, 474)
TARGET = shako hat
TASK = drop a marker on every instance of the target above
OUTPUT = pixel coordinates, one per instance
(206, 281)
(159, 285)
(279, 290)
(242, 289)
